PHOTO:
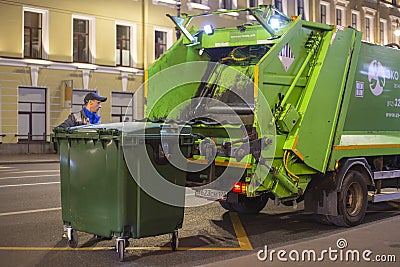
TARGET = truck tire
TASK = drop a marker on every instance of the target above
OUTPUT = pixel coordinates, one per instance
(247, 205)
(352, 200)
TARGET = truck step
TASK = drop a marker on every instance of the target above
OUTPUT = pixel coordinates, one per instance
(386, 174)
(386, 194)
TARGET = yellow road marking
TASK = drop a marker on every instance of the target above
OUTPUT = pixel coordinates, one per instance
(237, 225)
(241, 235)
(113, 248)
(27, 211)
(54, 249)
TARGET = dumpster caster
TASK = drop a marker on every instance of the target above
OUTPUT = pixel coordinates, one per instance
(72, 236)
(174, 240)
(121, 245)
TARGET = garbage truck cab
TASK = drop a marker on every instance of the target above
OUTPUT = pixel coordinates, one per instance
(283, 109)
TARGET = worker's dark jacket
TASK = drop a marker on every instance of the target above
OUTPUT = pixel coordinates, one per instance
(75, 119)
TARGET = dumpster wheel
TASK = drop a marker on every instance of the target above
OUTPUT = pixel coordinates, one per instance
(174, 240)
(72, 238)
(121, 245)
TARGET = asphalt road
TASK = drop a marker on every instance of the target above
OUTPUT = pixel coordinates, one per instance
(31, 228)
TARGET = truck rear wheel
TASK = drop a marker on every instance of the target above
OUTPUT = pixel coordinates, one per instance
(247, 205)
(352, 200)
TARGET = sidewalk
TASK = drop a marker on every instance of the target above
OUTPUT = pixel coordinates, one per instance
(29, 158)
(382, 239)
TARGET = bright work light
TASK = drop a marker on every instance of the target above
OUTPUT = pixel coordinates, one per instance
(208, 29)
(275, 23)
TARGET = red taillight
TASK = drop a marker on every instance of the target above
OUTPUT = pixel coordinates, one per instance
(239, 187)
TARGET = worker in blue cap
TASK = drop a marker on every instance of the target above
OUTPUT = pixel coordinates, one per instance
(88, 114)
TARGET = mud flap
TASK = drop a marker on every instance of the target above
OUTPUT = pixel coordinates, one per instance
(232, 197)
(321, 196)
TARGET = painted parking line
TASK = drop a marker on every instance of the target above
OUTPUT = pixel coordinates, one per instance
(16, 185)
(37, 171)
(29, 176)
(241, 235)
(113, 248)
(237, 225)
(28, 211)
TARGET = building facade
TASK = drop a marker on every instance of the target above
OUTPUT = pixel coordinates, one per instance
(53, 52)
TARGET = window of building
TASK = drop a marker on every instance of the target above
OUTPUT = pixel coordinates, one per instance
(35, 34)
(77, 99)
(253, 3)
(228, 4)
(394, 29)
(278, 5)
(323, 14)
(354, 23)
(369, 24)
(355, 19)
(84, 47)
(123, 53)
(383, 32)
(31, 114)
(368, 29)
(162, 41)
(122, 107)
(339, 17)
(300, 8)
(81, 40)
(32, 35)
(324, 10)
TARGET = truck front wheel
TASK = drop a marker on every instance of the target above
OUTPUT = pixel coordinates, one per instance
(352, 200)
(247, 205)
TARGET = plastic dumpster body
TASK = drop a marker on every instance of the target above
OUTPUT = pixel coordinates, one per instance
(99, 194)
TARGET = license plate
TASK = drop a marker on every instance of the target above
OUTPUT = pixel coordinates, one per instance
(210, 194)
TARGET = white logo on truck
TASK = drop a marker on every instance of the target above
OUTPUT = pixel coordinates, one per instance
(376, 77)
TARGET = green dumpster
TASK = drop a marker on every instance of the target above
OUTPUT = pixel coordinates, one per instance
(101, 169)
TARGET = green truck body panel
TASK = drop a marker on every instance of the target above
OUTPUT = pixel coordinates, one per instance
(331, 95)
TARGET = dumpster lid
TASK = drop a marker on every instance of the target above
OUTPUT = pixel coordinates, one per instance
(133, 128)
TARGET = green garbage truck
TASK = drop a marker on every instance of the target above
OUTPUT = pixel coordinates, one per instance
(283, 109)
